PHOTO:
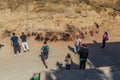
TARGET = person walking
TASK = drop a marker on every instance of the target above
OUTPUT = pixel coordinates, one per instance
(15, 44)
(45, 52)
(78, 43)
(83, 55)
(105, 38)
(23, 37)
(68, 61)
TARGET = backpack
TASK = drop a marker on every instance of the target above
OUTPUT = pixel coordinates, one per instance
(45, 50)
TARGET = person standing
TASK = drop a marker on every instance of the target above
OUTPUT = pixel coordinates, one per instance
(45, 52)
(68, 61)
(105, 38)
(23, 37)
(83, 55)
(15, 44)
(78, 43)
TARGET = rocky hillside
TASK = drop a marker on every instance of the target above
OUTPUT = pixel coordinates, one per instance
(86, 16)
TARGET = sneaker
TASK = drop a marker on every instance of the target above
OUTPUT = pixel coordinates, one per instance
(14, 54)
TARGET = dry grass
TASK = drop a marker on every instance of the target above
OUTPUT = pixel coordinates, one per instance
(78, 10)
(48, 9)
(35, 21)
(14, 4)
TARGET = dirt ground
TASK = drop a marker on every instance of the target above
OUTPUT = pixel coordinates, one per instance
(22, 67)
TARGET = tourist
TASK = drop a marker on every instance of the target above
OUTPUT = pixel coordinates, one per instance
(83, 55)
(68, 61)
(45, 52)
(23, 37)
(15, 44)
(78, 43)
(105, 38)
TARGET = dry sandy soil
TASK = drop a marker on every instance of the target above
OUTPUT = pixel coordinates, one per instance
(22, 67)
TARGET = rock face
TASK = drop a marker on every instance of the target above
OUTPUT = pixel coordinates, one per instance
(56, 15)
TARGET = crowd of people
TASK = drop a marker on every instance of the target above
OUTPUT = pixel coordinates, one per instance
(81, 49)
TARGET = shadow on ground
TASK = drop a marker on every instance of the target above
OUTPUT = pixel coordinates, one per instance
(60, 66)
(76, 75)
(88, 74)
(1, 45)
(108, 56)
(71, 48)
(100, 58)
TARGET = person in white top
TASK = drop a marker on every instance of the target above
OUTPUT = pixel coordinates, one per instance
(78, 43)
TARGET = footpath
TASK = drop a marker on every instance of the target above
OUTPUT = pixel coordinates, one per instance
(102, 64)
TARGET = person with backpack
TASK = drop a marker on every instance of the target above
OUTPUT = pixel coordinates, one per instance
(15, 44)
(45, 52)
(68, 61)
(105, 38)
(83, 55)
(23, 37)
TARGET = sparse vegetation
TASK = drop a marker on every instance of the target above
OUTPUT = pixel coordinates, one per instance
(117, 6)
(71, 28)
(112, 13)
(78, 10)
(65, 11)
(6, 33)
(105, 5)
(86, 1)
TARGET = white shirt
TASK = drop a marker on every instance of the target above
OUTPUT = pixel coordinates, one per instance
(77, 41)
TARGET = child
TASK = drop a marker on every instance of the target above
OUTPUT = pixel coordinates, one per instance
(68, 61)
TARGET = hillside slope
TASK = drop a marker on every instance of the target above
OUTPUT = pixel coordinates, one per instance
(54, 15)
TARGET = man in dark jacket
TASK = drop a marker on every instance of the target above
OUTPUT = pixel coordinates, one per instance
(83, 55)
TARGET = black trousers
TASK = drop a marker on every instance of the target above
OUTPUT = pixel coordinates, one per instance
(16, 48)
(104, 43)
(67, 66)
(82, 64)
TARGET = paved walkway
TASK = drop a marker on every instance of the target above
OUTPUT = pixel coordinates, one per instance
(22, 67)
(103, 73)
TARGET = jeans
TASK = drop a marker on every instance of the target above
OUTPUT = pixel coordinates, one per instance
(77, 49)
(16, 48)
